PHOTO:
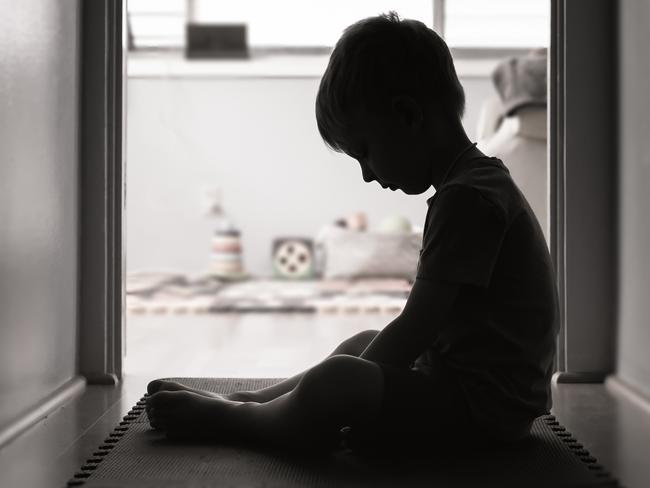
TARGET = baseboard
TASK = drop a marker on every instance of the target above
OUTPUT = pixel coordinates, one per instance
(585, 377)
(101, 379)
(620, 388)
(46, 406)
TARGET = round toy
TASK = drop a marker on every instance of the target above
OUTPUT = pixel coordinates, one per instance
(293, 258)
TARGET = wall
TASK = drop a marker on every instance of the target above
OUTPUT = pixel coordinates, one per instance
(257, 138)
(38, 221)
(634, 183)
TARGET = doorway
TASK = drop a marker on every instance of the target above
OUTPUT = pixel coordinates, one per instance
(104, 338)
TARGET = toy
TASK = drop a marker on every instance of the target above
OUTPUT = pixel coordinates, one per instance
(293, 257)
(356, 221)
(225, 247)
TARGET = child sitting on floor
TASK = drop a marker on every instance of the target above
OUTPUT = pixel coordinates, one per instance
(473, 350)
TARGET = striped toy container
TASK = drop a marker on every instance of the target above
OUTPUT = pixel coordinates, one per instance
(226, 254)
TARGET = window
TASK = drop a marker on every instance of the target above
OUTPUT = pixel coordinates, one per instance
(277, 23)
(155, 24)
(312, 23)
(496, 24)
(469, 25)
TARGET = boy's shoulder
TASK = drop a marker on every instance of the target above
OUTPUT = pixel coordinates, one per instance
(465, 225)
(487, 177)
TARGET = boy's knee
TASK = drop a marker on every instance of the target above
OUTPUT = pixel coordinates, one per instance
(328, 377)
(333, 368)
(356, 344)
(366, 336)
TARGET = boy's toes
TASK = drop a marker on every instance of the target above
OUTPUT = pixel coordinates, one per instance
(154, 386)
(166, 400)
(156, 419)
(157, 424)
(154, 402)
(152, 418)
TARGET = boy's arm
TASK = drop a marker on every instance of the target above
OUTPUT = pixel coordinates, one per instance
(460, 246)
(416, 328)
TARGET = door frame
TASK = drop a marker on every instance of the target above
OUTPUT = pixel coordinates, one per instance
(582, 195)
(102, 191)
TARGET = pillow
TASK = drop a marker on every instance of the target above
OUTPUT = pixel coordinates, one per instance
(354, 254)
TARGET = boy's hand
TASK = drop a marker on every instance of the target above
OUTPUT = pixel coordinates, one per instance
(416, 328)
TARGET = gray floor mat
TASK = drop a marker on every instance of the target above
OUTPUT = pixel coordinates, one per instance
(135, 456)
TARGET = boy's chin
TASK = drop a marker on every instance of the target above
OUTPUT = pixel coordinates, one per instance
(414, 189)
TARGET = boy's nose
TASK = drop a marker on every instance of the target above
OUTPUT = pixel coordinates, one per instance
(368, 176)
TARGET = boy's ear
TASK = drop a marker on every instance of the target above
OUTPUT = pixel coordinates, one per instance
(407, 110)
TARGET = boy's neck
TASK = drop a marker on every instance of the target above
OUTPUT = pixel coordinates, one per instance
(446, 155)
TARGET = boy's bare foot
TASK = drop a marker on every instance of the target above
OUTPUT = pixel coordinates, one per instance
(168, 385)
(184, 414)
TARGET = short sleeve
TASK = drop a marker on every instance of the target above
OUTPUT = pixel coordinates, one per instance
(462, 237)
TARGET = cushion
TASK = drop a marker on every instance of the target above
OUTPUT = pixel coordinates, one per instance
(366, 254)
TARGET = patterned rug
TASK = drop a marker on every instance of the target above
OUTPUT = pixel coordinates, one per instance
(167, 293)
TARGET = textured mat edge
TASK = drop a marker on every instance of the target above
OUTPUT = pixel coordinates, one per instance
(105, 447)
(602, 477)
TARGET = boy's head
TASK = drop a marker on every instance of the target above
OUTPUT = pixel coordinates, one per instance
(387, 98)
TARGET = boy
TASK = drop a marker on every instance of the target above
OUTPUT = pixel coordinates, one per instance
(473, 350)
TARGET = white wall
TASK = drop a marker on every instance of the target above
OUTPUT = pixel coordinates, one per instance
(634, 195)
(257, 138)
(38, 201)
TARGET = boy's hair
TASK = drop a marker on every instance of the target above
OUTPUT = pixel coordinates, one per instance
(379, 57)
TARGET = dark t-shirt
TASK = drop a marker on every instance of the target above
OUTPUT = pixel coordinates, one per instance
(500, 339)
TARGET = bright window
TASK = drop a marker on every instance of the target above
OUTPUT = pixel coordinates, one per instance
(475, 24)
(157, 23)
(303, 23)
(497, 23)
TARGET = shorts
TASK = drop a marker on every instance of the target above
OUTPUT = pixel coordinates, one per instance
(420, 409)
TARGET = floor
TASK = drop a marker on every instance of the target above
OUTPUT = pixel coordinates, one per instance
(614, 429)
(237, 345)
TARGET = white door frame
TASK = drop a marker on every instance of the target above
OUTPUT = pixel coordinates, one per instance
(582, 187)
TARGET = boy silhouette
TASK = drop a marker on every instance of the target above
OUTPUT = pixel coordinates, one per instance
(472, 352)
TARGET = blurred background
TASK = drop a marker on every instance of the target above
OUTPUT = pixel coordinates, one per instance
(252, 249)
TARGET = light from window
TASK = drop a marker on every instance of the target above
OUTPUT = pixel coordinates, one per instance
(497, 23)
(282, 23)
(316, 23)
(303, 23)
(157, 23)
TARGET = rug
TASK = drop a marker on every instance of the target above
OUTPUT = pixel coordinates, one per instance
(206, 295)
(134, 455)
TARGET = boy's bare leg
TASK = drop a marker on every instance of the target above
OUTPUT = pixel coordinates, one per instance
(341, 390)
(352, 346)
